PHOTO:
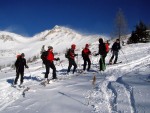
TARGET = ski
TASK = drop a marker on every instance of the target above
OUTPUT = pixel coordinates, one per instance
(18, 87)
(43, 83)
(21, 88)
(115, 63)
(25, 90)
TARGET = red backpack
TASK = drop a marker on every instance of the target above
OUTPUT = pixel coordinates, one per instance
(107, 47)
(18, 56)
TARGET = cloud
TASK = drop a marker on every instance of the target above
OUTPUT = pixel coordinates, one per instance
(16, 29)
(84, 31)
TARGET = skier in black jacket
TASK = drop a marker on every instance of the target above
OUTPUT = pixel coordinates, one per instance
(20, 64)
(115, 49)
(103, 53)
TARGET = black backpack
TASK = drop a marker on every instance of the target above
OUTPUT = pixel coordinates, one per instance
(44, 56)
(67, 53)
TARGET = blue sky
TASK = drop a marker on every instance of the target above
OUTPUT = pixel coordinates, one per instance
(29, 17)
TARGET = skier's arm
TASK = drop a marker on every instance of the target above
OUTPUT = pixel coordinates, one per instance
(89, 53)
(113, 46)
(82, 53)
(98, 50)
(57, 59)
(119, 46)
(16, 63)
(25, 64)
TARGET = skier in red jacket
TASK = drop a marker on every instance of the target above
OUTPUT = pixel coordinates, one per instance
(50, 63)
(85, 54)
(71, 56)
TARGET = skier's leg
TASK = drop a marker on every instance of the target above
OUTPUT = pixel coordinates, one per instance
(84, 65)
(104, 56)
(100, 64)
(54, 70)
(47, 70)
(70, 65)
(116, 57)
(103, 66)
(110, 61)
(16, 79)
(22, 75)
(75, 66)
(89, 64)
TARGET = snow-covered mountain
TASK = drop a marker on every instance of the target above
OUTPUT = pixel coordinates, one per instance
(59, 37)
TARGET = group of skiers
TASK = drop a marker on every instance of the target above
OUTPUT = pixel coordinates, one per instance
(48, 59)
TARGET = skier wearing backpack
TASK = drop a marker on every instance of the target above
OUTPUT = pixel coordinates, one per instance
(44, 57)
(85, 55)
(103, 53)
(115, 49)
(20, 64)
(50, 64)
(71, 57)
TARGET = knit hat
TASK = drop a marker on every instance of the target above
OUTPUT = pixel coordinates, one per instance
(100, 40)
(73, 46)
(22, 54)
(50, 47)
(87, 45)
(117, 39)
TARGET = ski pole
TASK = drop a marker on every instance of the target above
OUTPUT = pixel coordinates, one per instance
(30, 73)
(124, 56)
(78, 65)
(61, 64)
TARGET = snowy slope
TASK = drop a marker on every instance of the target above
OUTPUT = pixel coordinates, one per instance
(121, 88)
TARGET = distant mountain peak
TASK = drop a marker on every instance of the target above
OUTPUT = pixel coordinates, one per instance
(6, 38)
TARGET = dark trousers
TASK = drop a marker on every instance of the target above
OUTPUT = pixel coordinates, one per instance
(72, 62)
(17, 77)
(115, 53)
(52, 66)
(87, 60)
(102, 62)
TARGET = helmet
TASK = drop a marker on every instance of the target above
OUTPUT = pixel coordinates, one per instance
(73, 46)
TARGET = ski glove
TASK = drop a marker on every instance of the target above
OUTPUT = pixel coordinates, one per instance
(75, 54)
(57, 59)
(27, 66)
(96, 54)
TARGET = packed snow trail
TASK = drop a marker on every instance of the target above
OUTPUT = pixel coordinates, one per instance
(113, 92)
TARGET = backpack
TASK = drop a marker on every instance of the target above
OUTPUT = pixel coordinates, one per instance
(107, 47)
(44, 55)
(67, 53)
(18, 56)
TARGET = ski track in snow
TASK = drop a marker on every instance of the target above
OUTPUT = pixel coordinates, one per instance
(113, 95)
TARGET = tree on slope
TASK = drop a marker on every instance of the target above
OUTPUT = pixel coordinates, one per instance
(141, 34)
(120, 24)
